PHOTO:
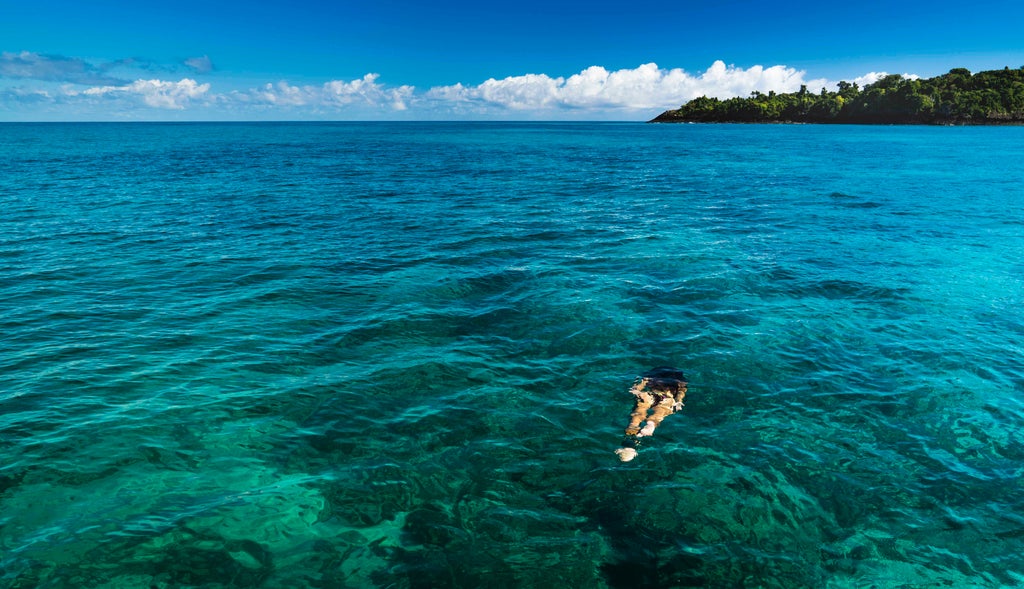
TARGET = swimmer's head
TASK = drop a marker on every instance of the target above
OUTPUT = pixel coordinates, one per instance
(663, 379)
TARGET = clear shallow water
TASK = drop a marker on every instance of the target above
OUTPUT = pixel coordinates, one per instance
(398, 355)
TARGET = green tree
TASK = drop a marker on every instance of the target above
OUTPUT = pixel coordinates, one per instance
(957, 96)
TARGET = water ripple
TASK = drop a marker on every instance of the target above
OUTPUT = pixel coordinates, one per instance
(399, 355)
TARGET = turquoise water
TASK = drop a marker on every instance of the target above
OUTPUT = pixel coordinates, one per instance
(399, 355)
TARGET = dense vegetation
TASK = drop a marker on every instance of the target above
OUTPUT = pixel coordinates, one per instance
(990, 97)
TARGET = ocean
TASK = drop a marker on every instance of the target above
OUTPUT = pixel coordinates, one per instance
(399, 355)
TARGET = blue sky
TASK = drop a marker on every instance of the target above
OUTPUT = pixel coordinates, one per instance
(446, 59)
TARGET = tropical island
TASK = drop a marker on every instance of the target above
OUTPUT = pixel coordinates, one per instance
(994, 97)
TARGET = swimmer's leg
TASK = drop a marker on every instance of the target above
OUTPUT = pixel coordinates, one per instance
(663, 409)
(643, 403)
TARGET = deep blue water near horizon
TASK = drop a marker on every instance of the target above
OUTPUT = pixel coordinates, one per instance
(398, 355)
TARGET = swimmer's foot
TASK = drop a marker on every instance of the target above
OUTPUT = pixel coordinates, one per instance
(648, 429)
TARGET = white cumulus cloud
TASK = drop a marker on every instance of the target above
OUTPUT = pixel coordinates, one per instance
(155, 93)
(362, 92)
(872, 77)
(282, 94)
(644, 87)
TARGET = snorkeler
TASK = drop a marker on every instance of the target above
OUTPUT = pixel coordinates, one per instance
(662, 388)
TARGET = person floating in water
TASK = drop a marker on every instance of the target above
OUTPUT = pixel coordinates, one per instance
(662, 388)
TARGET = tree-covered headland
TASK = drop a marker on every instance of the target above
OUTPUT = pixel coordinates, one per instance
(957, 98)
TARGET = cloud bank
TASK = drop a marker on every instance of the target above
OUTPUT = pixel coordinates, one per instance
(593, 93)
(365, 92)
(642, 88)
(53, 68)
(153, 93)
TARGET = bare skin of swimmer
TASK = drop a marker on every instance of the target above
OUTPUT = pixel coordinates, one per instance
(655, 399)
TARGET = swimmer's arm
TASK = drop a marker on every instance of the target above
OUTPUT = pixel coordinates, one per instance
(639, 387)
(678, 397)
